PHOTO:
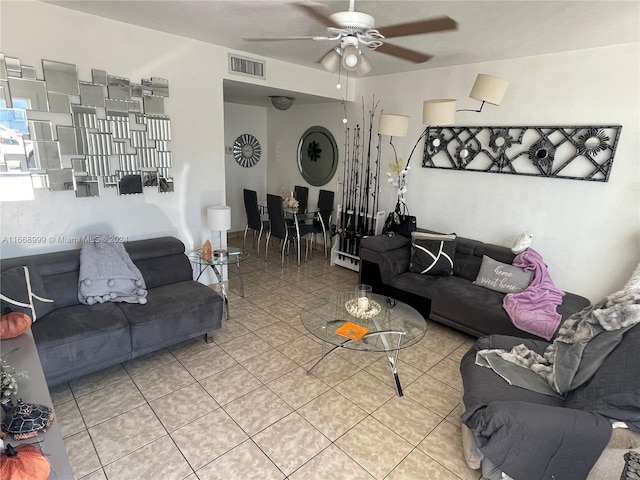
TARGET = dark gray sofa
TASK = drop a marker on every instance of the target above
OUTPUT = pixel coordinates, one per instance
(525, 434)
(454, 301)
(76, 339)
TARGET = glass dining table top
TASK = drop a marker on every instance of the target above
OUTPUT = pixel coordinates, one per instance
(389, 323)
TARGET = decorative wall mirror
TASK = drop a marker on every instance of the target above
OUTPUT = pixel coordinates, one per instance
(247, 150)
(113, 130)
(317, 156)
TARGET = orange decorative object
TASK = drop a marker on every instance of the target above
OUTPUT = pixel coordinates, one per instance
(13, 324)
(206, 251)
(352, 331)
(25, 462)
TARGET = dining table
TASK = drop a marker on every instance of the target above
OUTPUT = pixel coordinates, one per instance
(297, 217)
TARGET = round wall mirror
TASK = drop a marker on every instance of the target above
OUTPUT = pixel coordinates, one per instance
(317, 156)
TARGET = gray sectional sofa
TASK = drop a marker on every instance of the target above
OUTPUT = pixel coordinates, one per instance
(565, 435)
(74, 339)
(454, 301)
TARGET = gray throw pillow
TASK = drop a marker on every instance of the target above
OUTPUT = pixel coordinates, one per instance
(502, 277)
(432, 253)
(14, 291)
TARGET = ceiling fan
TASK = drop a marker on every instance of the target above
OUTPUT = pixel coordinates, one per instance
(356, 30)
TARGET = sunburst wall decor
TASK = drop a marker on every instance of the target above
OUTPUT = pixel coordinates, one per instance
(575, 153)
(247, 150)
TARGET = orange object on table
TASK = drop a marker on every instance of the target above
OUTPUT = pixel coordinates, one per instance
(352, 331)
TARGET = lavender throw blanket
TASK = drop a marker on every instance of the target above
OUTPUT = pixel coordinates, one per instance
(534, 309)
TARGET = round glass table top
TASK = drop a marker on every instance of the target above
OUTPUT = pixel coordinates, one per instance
(387, 324)
(220, 257)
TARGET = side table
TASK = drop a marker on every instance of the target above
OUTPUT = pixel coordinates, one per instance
(35, 390)
(229, 256)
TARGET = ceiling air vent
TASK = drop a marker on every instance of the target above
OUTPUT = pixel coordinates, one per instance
(246, 66)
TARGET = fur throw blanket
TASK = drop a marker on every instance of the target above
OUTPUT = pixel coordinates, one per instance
(588, 335)
(107, 274)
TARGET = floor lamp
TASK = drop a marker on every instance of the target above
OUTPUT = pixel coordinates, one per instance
(219, 219)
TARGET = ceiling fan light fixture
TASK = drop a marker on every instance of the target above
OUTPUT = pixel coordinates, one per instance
(365, 65)
(282, 102)
(488, 88)
(331, 61)
(350, 57)
(440, 111)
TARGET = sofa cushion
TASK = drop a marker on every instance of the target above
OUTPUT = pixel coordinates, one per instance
(472, 306)
(466, 265)
(384, 243)
(482, 386)
(172, 313)
(80, 339)
(614, 390)
(22, 285)
(501, 277)
(166, 270)
(432, 254)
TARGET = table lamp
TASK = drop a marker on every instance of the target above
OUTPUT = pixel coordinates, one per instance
(219, 219)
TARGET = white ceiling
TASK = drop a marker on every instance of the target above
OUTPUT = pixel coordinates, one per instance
(487, 30)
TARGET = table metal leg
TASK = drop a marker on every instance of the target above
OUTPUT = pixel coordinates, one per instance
(241, 282)
(324, 344)
(392, 353)
(223, 290)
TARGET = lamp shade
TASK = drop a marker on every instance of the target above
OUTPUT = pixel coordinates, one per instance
(393, 125)
(441, 111)
(331, 61)
(365, 65)
(350, 57)
(219, 217)
(488, 88)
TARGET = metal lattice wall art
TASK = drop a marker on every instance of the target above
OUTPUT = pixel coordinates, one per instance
(576, 153)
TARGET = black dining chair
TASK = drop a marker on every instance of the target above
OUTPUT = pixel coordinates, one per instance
(301, 194)
(279, 228)
(254, 219)
(322, 221)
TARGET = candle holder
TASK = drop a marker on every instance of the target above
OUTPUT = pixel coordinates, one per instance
(363, 296)
(361, 305)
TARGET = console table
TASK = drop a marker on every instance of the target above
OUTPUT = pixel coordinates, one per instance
(34, 390)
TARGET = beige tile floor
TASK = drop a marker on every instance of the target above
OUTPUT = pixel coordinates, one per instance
(243, 407)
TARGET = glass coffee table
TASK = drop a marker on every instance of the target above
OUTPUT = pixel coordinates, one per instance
(229, 256)
(388, 326)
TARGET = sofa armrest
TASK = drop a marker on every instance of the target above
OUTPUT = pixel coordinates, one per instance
(391, 254)
(529, 440)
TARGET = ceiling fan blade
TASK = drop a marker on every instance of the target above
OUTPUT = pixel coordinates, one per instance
(318, 13)
(278, 39)
(403, 53)
(429, 25)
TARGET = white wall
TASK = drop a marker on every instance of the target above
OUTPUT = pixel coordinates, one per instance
(587, 232)
(285, 128)
(240, 119)
(195, 71)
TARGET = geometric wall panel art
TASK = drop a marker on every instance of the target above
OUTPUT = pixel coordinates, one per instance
(576, 153)
(84, 136)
